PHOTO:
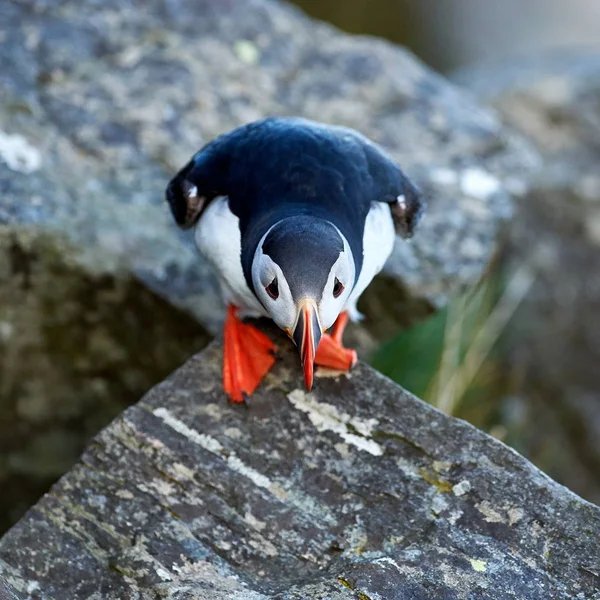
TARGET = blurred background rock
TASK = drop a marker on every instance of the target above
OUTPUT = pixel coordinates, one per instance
(100, 296)
(455, 33)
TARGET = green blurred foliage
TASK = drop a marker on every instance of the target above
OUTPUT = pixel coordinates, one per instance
(455, 360)
(413, 356)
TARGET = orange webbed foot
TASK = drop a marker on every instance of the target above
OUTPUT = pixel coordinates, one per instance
(248, 357)
(331, 354)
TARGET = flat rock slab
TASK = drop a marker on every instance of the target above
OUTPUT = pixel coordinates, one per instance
(356, 490)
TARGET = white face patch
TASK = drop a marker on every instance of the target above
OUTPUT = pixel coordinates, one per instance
(343, 271)
(264, 271)
(283, 309)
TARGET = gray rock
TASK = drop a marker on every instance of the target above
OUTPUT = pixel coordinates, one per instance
(78, 343)
(554, 101)
(357, 490)
(112, 100)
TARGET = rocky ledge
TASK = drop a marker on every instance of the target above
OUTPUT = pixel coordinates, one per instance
(356, 490)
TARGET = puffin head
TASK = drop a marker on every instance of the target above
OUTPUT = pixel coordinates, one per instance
(303, 272)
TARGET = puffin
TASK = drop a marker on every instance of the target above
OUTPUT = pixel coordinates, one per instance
(296, 218)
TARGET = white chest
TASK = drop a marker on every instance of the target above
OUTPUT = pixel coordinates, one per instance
(218, 239)
(378, 243)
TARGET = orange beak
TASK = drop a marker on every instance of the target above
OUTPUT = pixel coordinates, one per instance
(307, 335)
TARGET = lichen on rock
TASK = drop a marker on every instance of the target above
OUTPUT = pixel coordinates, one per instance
(357, 490)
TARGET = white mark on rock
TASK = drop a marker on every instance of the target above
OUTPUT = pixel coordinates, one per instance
(164, 488)
(182, 472)
(223, 545)
(163, 574)
(141, 516)
(489, 513)
(405, 569)
(254, 522)
(247, 52)
(409, 469)
(439, 504)
(304, 502)
(326, 417)
(97, 500)
(387, 560)
(342, 449)
(19, 154)
(454, 516)
(214, 446)
(233, 432)
(243, 469)
(440, 466)
(264, 546)
(515, 514)
(33, 586)
(478, 183)
(461, 488)
(478, 565)
(356, 537)
(327, 373)
(247, 595)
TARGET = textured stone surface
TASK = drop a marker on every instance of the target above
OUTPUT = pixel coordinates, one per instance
(357, 490)
(554, 101)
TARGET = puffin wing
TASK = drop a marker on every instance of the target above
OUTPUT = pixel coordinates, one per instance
(203, 179)
(214, 170)
(392, 186)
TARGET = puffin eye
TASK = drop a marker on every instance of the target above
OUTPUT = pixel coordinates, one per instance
(273, 289)
(338, 288)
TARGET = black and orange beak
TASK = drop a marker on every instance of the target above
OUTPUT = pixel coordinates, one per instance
(307, 336)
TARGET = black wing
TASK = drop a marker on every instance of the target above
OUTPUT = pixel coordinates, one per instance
(204, 178)
(391, 185)
(267, 155)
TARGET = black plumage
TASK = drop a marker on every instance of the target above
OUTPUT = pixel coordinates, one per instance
(278, 168)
